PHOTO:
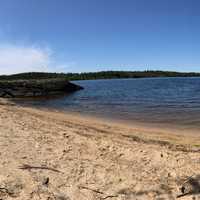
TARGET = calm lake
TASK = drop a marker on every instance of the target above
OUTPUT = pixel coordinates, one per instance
(161, 102)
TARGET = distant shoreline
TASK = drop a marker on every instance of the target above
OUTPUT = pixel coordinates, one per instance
(99, 75)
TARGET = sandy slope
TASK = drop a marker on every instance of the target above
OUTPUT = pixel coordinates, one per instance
(94, 160)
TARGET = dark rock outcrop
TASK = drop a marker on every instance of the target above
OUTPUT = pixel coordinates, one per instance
(36, 88)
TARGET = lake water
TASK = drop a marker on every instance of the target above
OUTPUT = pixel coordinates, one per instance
(161, 102)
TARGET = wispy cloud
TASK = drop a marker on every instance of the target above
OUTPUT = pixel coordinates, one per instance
(17, 59)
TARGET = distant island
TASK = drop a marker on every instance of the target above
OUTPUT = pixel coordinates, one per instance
(98, 75)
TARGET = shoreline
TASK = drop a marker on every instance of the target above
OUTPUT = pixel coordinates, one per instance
(172, 135)
(51, 155)
(164, 126)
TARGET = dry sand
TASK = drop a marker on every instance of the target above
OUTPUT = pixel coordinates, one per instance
(47, 155)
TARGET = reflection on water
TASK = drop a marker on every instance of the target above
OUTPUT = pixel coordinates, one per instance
(174, 101)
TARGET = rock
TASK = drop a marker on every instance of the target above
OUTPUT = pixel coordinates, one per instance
(36, 88)
(45, 181)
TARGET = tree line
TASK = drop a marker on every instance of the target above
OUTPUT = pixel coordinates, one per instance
(98, 75)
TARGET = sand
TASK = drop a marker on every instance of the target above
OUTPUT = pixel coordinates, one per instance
(48, 155)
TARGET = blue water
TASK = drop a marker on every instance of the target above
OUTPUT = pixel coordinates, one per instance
(166, 101)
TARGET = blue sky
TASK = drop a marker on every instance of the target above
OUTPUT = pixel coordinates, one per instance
(95, 35)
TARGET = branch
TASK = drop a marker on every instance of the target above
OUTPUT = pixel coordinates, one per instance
(99, 192)
(27, 167)
(93, 190)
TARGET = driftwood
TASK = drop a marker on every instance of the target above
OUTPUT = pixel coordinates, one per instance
(28, 167)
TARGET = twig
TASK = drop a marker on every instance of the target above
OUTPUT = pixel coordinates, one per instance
(109, 196)
(25, 166)
(188, 178)
(99, 192)
(182, 195)
(93, 190)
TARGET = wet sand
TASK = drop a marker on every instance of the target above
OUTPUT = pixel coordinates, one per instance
(50, 155)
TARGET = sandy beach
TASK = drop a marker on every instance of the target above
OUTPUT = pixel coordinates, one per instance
(48, 155)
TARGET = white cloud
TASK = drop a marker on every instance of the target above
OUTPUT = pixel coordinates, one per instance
(17, 59)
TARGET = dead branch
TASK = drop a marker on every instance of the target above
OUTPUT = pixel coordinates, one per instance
(28, 167)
